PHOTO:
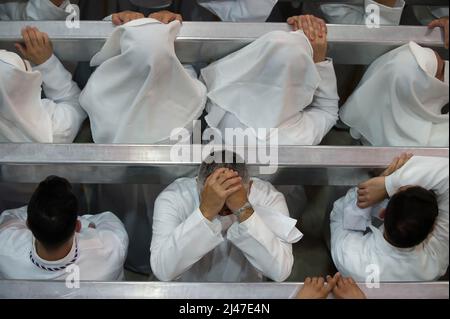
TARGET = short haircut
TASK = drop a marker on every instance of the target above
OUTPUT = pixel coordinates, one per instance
(52, 212)
(410, 217)
(223, 159)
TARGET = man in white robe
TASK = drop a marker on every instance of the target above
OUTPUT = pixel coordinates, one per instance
(46, 239)
(224, 10)
(222, 227)
(410, 111)
(130, 97)
(33, 9)
(413, 242)
(281, 81)
(25, 117)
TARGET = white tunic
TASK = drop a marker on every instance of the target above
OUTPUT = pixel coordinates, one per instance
(399, 103)
(24, 117)
(99, 253)
(130, 97)
(32, 10)
(354, 252)
(354, 12)
(276, 79)
(240, 10)
(188, 247)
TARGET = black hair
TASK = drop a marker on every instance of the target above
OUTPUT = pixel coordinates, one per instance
(52, 212)
(410, 217)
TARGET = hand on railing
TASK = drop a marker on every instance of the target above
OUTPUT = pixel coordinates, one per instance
(37, 46)
(442, 23)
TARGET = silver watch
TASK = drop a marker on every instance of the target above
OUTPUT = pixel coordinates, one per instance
(241, 210)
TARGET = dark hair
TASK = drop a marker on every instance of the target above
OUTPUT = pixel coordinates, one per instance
(52, 212)
(410, 217)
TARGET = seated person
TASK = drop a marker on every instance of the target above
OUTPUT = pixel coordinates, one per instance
(338, 286)
(413, 242)
(401, 100)
(211, 10)
(355, 11)
(24, 116)
(222, 226)
(34, 10)
(41, 241)
(140, 92)
(281, 81)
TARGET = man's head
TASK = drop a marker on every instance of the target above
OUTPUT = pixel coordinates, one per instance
(223, 159)
(52, 213)
(410, 216)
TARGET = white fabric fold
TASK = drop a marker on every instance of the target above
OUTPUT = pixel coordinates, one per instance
(22, 116)
(274, 78)
(397, 103)
(282, 226)
(141, 92)
(240, 10)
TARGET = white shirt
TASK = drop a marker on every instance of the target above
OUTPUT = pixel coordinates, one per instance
(188, 247)
(354, 12)
(426, 14)
(240, 10)
(33, 10)
(354, 253)
(276, 78)
(99, 253)
(28, 118)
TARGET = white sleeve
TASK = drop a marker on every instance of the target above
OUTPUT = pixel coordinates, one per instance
(431, 173)
(14, 218)
(178, 244)
(347, 246)
(33, 10)
(264, 249)
(109, 226)
(240, 10)
(62, 103)
(320, 117)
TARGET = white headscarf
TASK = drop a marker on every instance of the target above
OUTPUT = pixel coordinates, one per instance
(266, 83)
(141, 92)
(240, 10)
(22, 116)
(399, 101)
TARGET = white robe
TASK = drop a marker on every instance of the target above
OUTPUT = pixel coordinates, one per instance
(240, 10)
(25, 117)
(188, 247)
(32, 10)
(130, 97)
(99, 253)
(354, 12)
(398, 103)
(354, 253)
(274, 77)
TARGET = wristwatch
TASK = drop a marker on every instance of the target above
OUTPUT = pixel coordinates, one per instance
(241, 210)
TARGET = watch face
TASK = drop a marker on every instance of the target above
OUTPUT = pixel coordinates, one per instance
(151, 3)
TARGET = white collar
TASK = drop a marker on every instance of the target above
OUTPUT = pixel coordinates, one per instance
(57, 265)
